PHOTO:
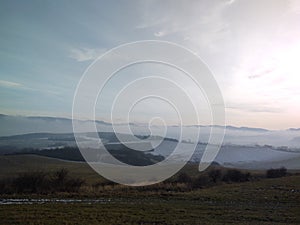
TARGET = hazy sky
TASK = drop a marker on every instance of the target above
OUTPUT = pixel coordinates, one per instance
(252, 47)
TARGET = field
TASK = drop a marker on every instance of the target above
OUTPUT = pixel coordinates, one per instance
(262, 201)
(15, 164)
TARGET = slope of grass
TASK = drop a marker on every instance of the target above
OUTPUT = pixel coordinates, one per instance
(12, 165)
(260, 201)
(272, 201)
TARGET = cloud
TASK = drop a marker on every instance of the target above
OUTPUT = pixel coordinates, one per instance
(261, 74)
(5, 83)
(160, 34)
(229, 2)
(199, 23)
(85, 54)
(294, 5)
(254, 107)
(9, 84)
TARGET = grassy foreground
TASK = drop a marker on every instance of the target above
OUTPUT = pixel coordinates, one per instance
(261, 201)
(273, 201)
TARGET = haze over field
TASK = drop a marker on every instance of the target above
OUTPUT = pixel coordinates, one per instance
(14, 125)
(247, 148)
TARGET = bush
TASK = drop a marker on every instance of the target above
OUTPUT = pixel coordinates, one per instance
(6, 186)
(59, 179)
(74, 184)
(215, 175)
(41, 183)
(274, 173)
(184, 178)
(235, 175)
(63, 182)
(35, 182)
(201, 181)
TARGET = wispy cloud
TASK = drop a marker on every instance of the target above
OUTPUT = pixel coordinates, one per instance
(19, 86)
(261, 74)
(254, 107)
(229, 2)
(160, 34)
(294, 5)
(85, 54)
(201, 23)
(5, 83)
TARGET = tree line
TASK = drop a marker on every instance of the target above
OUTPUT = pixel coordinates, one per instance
(41, 182)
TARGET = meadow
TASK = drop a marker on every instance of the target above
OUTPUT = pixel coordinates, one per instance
(258, 200)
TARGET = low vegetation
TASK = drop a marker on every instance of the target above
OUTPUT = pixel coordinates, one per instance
(216, 196)
(264, 201)
(61, 181)
(275, 173)
(41, 183)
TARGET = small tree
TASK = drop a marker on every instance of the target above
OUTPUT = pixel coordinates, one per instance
(34, 182)
(59, 179)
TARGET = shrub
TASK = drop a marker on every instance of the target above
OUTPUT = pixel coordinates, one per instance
(201, 181)
(184, 178)
(59, 179)
(274, 173)
(215, 175)
(41, 182)
(35, 182)
(6, 186)
(73, 184)
(234, 175)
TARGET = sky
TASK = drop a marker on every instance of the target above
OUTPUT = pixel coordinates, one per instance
(252, 48)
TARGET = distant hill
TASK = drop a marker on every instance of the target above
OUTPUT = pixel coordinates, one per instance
(41, 141)
(294, 129)
(120, 152)
(247, 129)
(63, 146)
(18, 125)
